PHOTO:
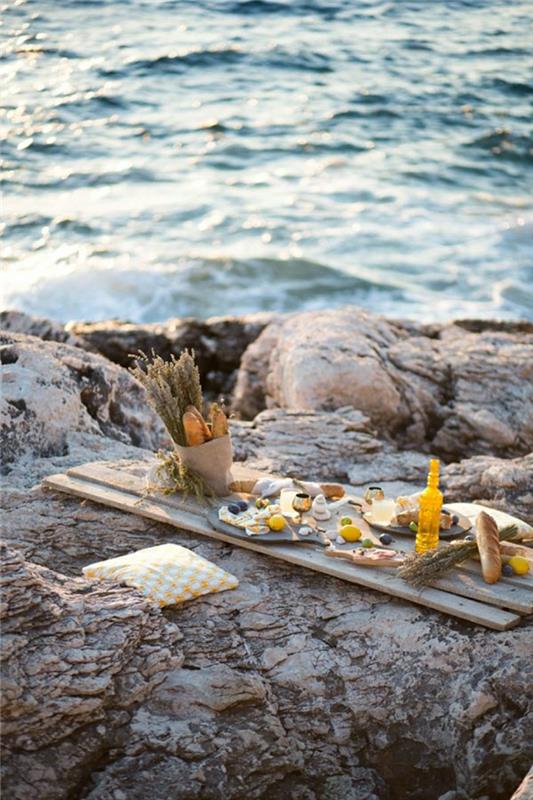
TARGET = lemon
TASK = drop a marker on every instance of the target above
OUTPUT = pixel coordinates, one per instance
(519, 564)
(276, 522)
(350, 533)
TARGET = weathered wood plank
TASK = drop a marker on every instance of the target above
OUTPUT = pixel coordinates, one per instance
(382, 580)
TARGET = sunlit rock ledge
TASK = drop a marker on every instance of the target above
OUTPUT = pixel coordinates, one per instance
(294, 685)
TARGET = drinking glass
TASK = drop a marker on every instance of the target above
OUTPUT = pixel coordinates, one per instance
(383, 511)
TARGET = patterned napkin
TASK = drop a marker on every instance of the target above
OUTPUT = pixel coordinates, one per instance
(166, 574)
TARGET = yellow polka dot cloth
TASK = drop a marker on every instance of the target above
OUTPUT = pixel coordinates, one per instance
(167, 574)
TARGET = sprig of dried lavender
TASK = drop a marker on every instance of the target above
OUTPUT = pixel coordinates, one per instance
(419, 570)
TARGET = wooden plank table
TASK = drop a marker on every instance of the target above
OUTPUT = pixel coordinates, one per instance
(462, 594)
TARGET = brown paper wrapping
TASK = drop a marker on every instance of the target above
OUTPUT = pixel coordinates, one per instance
(212, 460)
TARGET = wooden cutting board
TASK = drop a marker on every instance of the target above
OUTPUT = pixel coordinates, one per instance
(462, 594)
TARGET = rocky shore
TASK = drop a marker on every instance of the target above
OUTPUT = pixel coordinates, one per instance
(294, 685)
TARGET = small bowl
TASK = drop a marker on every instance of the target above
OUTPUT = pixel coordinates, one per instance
(302, 502)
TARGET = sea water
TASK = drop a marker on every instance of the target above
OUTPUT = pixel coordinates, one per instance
(164, 157)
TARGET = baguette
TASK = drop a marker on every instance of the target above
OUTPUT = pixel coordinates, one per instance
(242, 487)
(513, 549)
(488, 544)
(219, 421)
(196, 431)
(329, 490)
(206, 428)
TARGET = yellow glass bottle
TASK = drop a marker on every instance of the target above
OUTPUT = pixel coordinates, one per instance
(430, 505)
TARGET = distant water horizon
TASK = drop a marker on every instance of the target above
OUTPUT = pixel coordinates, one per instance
(171, 158)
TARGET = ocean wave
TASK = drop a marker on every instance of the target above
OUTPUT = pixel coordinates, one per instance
(179, 63)
(505, 145)
(514, 87)
(276, 57)
(364, 113)
(21, 224)
(309, 61)
(153, 294)
(253, 8)
(97, 101)
(78, 180)
(520, 295)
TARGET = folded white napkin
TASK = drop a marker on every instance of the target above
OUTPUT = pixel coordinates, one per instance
(269, 487)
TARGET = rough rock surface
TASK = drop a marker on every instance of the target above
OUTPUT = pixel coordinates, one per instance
(76, 657)
(455, 392)
(525, 790)
(50, 390)
(294, 686)
(218, 343)
(49, 330)
(469, 393)
(340, 445)
(506, 484)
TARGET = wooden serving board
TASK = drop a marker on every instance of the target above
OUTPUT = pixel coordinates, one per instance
(463, 594)
(289, 535)
(454, 532)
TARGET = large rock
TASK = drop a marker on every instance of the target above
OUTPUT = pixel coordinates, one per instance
(51, 390)
(446, 389)
(326, 360)
(525, 790)
(43, 328)
(218, 343)
(340, 445)
(76, 659)
(469, 392)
